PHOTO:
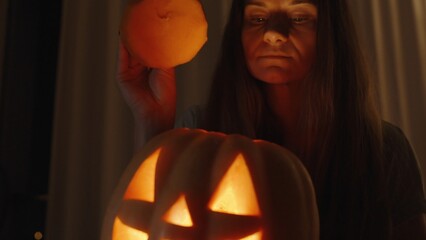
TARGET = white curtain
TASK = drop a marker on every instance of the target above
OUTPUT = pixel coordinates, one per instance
(92, 126)
(93, 131)
(394, 38)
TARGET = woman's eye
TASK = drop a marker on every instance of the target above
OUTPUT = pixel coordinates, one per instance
(258, 20)
(300, 19)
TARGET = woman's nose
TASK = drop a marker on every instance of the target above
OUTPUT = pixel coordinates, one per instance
(277, 29)
(274, 38)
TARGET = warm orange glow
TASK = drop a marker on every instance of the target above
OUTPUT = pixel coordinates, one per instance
(256, 236)
(235, 193)
(121, 231)
(179, 214)
(142, 186)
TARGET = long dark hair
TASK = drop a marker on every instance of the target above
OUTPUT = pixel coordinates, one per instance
(340, 120)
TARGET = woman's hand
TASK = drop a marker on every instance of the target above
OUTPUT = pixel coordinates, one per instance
(151, 95)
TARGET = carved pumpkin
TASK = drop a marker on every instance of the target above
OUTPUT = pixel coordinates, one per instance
(163, 33)
(193, 184)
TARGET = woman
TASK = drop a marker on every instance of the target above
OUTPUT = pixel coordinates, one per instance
(291, 72)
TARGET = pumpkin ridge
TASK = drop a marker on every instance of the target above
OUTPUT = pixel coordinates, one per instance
(287, 168)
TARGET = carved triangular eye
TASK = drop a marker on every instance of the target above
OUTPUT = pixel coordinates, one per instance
(235, 193)
(178, 214)
(142, 186)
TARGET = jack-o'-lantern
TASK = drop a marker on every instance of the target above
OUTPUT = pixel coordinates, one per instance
(194, 184)
(163, 33)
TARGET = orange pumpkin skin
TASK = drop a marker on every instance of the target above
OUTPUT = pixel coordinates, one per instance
(190, 168)
(163, 33)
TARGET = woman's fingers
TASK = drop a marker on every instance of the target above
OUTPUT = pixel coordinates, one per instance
(129, 69)
(150, 93)
(163, 84)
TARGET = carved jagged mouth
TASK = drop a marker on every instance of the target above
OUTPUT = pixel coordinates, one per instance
(138, 214)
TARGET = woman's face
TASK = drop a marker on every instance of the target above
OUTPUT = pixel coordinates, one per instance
(279, 38)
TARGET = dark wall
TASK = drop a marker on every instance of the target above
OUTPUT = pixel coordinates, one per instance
(26, 114)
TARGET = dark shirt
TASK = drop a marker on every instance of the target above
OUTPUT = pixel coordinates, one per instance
(405, 186)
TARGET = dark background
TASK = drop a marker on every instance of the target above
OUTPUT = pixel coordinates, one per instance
(27, 86)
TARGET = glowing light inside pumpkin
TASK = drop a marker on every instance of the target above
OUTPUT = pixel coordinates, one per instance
(256, 236)
(178, 213)
(122, 231)
(142, 186)
(235, 193)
